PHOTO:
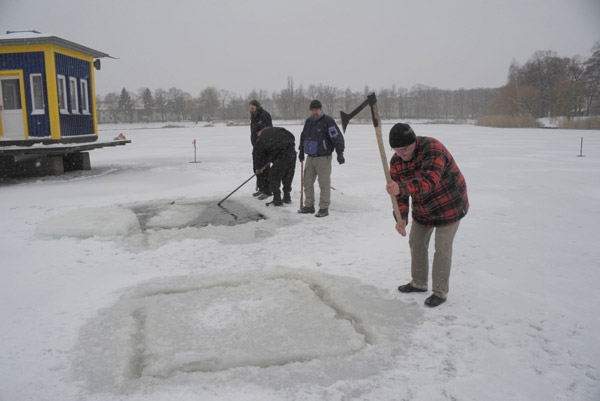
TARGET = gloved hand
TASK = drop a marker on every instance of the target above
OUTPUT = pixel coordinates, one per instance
(301, 156)
(340, 158)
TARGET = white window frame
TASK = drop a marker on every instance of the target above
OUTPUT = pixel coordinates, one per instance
(85, 99)
(34, 109)
(74, 103)
(62, 94)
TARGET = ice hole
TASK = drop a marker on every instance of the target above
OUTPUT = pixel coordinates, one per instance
(260, 323)
(182, 214)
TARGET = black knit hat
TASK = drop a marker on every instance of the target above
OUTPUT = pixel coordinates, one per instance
(315, 104)
(254, 103)
(401, 135)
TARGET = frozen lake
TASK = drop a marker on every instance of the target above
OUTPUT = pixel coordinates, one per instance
(128, 281)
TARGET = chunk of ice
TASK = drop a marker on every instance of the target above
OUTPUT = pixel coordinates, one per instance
(260, 323)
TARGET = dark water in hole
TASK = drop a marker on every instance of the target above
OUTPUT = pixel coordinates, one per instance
(229, 213)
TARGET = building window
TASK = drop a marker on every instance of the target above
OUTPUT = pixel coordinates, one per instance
(73, 94)
(62, 94)
(85, 101)
(37, 93)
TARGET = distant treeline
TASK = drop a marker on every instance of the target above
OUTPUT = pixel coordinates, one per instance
(546, 85)
(292, 103)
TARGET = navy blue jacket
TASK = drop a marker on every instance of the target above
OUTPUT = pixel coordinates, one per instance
(321, 136)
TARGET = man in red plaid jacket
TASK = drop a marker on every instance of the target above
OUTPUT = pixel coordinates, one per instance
(424, 170)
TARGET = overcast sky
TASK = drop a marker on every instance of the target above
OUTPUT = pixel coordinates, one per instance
(245, 45)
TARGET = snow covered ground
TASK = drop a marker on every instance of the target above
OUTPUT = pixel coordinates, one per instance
(127, 283)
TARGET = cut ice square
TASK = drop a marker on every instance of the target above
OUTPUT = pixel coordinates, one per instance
(259, 323)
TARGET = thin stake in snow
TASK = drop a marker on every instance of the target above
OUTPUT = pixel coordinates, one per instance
(581, 149)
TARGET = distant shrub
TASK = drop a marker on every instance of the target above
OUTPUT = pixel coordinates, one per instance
(580, 123)
(507, 121)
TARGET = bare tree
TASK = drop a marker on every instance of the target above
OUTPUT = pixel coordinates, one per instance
(161, 103)
(147, 102)
(386, 97)
(126, 104)
(224, 98)
(592, 80)
(209, 99)
(111, 100)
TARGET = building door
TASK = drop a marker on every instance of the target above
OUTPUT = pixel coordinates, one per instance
(11, 109)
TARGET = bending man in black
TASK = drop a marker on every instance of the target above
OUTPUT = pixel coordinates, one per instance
(276, 145)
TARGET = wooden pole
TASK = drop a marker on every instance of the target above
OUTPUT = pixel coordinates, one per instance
(242, 184)
(301, 184)
(235, 190)
(384, 161)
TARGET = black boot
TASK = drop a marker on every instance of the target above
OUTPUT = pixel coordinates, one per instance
(276, 201)
(322, 213)
(287, 198)
(307, 209)
(434, 301)
(264, 196)
(409, 288)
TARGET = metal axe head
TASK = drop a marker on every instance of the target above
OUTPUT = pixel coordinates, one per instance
(370, 101)
(345, 120)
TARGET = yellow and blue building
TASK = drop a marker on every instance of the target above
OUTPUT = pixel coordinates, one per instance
(47, 89)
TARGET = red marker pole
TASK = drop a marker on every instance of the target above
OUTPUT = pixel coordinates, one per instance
(194, 143)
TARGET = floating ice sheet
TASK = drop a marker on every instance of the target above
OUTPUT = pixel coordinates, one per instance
(89, 222)
(260, 323)
(269, 327)
(126, 220)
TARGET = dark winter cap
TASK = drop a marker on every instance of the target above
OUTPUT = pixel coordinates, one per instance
(260, 126)
(254, 103)
(401, 135)
(315, 104)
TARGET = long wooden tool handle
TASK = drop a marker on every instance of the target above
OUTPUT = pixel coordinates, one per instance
(384, 161)
(242, 184)
(235, 190)
(301, 184)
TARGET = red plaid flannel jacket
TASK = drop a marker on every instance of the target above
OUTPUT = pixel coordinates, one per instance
(433, 181)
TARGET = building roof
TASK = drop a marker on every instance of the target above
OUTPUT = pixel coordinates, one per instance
(19, 38)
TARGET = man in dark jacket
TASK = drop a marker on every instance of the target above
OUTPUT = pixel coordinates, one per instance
(424, 170)
(319, 138)
(259, 119)
(277, 145)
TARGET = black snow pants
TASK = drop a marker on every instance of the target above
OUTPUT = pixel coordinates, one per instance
(282, 172)
(262, 180)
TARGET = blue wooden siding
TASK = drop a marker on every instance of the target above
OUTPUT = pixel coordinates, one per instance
(30, 63)
(75, 124)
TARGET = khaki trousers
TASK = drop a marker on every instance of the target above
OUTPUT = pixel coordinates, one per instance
(442, 258)
(317, 167)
